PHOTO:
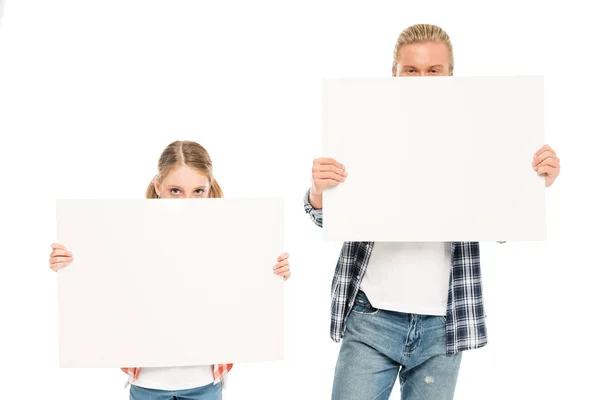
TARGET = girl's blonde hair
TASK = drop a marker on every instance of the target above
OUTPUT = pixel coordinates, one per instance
(182, 153)
(423, 33)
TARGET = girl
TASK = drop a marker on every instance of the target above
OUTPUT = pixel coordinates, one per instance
(184, 171)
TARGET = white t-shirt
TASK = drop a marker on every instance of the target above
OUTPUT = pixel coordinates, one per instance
(409, 277)
(175, 378)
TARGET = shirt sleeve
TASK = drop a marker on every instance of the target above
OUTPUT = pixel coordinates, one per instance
(315, 214)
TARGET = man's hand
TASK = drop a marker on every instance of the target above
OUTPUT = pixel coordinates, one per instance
(326, 173)
(545, 162)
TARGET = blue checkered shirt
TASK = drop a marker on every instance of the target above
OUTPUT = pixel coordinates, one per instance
(465, 315)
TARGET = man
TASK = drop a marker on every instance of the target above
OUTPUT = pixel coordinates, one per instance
(406, 310)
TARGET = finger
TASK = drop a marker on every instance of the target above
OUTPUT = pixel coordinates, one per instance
(282, 257)
(543, 156)
(281, 264)
(327, 161)
(329, 168)
(282, 270)
(547, 170)
(64, 262)
(61, 260)
(61, 253)
(540, 151)
(543, 149)
(285, 274)
(329, 175)
(553, 162)
(57, 246)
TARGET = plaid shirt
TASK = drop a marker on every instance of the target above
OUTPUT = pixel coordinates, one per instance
(465, 316)
(219, 373)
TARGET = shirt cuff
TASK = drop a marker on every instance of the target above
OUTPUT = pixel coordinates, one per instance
(315, 214)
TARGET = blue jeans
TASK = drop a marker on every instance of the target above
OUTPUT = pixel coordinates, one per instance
(380, 345)
(208, 392)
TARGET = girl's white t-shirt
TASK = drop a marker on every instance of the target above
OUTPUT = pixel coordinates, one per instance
(175, 378)
(409, 277)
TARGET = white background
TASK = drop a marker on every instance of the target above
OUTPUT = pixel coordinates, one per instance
(92, 91)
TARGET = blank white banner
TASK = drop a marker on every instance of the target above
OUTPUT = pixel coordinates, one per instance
(170, 282)
(436, 159)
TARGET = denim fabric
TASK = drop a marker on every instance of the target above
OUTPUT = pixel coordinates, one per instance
(208, 392)
(380, 346)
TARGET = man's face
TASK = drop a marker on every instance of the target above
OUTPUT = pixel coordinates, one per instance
(423, 59)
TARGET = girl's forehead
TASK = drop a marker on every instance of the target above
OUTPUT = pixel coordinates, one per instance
(186, 175)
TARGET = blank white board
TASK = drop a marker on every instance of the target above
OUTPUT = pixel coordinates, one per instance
(170, 282)
(436, 159)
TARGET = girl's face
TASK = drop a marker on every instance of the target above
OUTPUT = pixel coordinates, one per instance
(183, 183)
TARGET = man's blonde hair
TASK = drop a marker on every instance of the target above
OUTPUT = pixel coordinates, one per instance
(423, 33)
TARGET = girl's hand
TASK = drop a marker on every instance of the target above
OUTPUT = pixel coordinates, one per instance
(282, 268)
(60, 257)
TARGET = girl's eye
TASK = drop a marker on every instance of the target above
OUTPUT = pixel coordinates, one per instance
(199, 191)
(175, 191)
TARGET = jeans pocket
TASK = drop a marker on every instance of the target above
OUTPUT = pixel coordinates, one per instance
(363, 306)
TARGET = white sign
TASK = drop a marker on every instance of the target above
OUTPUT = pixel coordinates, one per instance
(435, 159)
(170, 282)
